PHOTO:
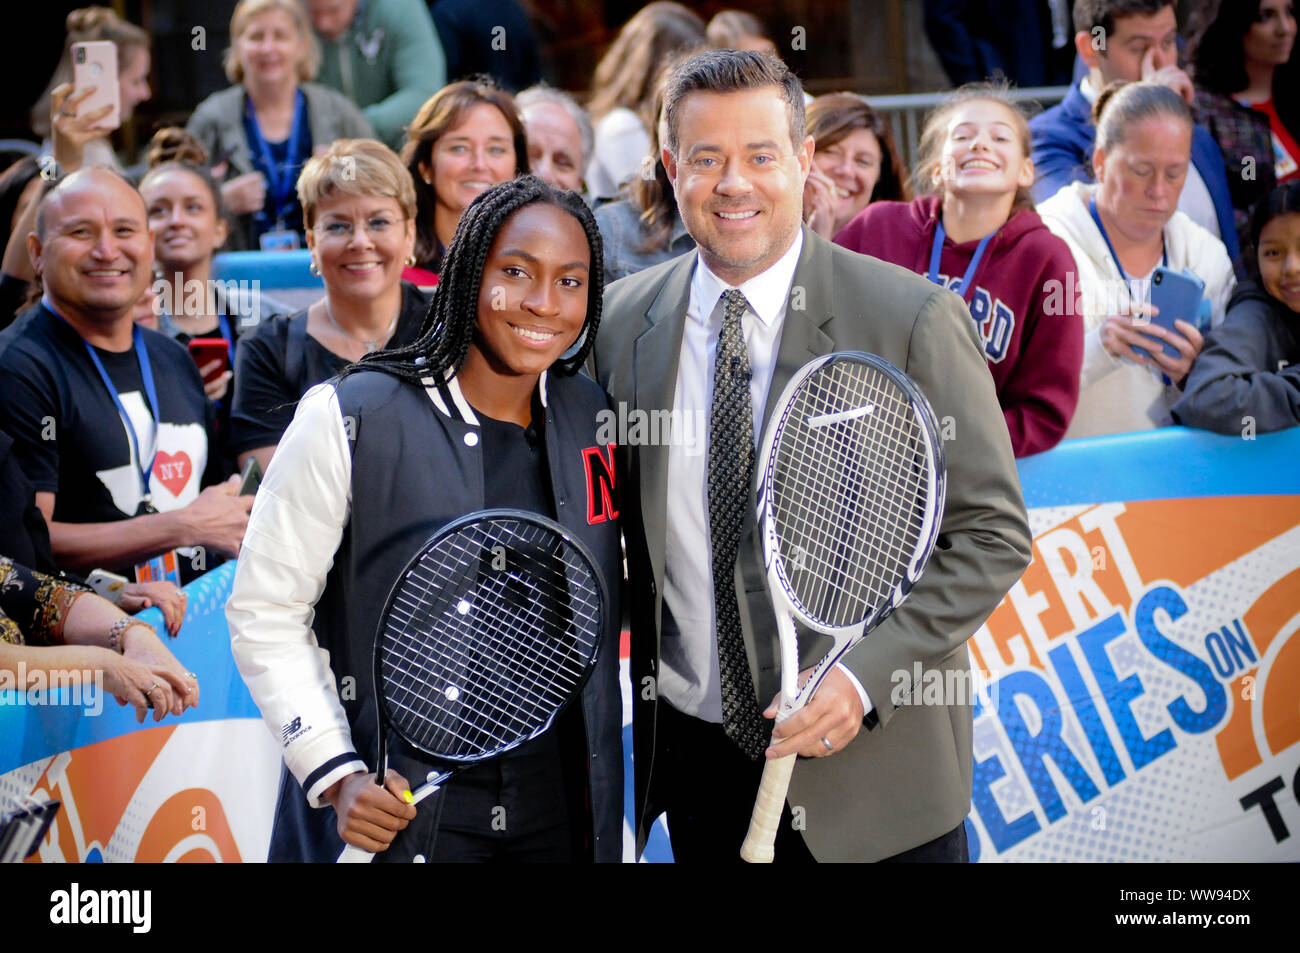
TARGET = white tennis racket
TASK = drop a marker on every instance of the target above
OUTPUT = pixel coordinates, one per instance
(850, 497)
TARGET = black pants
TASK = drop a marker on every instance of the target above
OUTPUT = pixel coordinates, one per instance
(707, 788)
(551, 846)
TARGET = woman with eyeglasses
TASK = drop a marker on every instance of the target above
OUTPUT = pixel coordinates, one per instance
(358, 206)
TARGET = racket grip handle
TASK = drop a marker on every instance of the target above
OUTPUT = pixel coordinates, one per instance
(355, 855)
(757, 848)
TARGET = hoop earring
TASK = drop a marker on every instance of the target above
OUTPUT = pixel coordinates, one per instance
(410, 262)
(314, 268)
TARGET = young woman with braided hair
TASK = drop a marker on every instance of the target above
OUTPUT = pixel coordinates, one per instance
(485, 409)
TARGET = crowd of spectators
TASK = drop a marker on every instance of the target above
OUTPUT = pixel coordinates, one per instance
(360, 132)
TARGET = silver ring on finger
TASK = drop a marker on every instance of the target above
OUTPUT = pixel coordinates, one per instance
(826, 742)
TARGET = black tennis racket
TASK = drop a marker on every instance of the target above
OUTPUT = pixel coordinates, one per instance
(490, 631)
(850, 497)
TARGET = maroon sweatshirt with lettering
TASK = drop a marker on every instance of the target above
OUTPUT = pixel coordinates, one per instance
(1024, 305)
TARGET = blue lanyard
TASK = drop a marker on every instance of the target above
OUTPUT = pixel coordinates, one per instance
(280, 178)
(936, 250)
(225, 333)
(1096, 217)
(150, 393)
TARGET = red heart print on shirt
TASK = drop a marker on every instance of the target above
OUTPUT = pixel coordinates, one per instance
(173, 470)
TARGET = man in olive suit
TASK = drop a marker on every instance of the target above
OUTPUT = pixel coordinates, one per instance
(878, 778)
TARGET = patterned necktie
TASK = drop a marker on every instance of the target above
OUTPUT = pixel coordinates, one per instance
(731, 468)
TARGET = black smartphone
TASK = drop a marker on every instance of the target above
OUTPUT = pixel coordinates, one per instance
(251, 478)
(21, 831)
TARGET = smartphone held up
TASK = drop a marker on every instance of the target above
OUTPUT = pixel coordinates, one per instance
(94, 64)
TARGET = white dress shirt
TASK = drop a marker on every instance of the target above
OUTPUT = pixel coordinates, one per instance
(689, 676)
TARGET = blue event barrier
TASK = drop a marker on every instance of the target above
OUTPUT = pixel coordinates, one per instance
(28, 733)
(1159, 465)
(273, 269)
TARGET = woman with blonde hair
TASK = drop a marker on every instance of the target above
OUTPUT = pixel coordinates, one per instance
(644, 227)
(624, 83)
(1120, 231)
(739, 30)
(358, 205)
(268, 124)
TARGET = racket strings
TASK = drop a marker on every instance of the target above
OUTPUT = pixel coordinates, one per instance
(441, 659)
(849, 485)
(478, 655)
(879, 513)
(895, 488)
(503, 657)
(545, 578)
(879, 520)
(475, 689)
(527, 618)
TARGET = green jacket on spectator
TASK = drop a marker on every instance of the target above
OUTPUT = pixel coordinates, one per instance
(388, 62)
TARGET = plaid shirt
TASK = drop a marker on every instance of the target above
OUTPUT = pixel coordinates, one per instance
(1243, 136)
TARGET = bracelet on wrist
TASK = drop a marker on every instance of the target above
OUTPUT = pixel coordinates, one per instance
(118, 630)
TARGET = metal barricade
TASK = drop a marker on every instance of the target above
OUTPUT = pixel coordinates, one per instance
(907, 113)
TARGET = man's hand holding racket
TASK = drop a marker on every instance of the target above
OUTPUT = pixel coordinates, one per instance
(370, 816)
(834, 714)
(850, 496)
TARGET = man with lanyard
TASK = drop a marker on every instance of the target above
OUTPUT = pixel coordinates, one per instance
(109, 420)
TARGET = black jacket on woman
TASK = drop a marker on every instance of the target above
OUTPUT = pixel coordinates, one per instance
(364, 477)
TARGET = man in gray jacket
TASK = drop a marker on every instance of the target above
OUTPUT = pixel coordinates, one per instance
(881, 776)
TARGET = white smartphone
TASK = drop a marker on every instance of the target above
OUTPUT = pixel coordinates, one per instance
(107, 584)
(94, 63)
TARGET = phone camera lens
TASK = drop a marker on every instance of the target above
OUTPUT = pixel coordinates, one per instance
(1158, 277)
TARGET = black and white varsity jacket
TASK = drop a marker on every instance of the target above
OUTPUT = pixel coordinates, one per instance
(370, 468)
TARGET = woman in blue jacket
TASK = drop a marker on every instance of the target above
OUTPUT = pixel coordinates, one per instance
(485, 410)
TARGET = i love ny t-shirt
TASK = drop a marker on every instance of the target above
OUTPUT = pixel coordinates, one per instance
(70, 438)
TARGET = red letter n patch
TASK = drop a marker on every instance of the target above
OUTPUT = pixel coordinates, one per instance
(601, 495)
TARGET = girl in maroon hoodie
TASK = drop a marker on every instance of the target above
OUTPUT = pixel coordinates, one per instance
(977, 234)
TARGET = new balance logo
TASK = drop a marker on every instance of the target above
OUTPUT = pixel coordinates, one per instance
(292, 731)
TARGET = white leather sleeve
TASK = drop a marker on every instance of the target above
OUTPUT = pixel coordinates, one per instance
(288, 549)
